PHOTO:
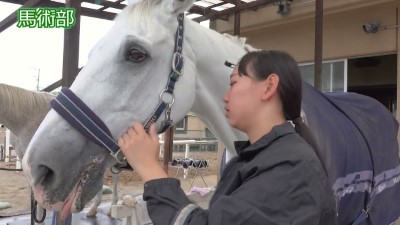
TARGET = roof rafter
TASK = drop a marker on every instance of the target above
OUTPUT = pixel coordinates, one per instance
(207, 13)
(238, 8)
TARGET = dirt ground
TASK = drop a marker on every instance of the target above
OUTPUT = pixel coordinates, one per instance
(14, 188)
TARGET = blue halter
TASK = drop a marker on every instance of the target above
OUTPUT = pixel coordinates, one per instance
(83, 119)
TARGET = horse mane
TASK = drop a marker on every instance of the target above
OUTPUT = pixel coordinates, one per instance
(241, 41)
(19, 99)
(18, 105)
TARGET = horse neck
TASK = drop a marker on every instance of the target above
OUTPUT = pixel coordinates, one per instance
(22, 111)
(212, 80)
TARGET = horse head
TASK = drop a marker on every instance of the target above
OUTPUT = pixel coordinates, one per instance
(22, 111)
(124, 81)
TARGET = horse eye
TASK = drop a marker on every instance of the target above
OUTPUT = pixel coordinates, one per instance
(136, 55)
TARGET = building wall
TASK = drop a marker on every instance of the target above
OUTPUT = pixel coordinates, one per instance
(195, 129)
(343, 36)
(194, 123)
(343, 33)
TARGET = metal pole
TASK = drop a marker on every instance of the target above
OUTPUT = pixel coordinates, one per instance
(38, 80)
(319, 14)
(185, 171)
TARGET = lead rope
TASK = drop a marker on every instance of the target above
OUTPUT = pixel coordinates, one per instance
(34, 218)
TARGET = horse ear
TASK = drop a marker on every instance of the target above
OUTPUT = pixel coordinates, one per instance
(177, 6)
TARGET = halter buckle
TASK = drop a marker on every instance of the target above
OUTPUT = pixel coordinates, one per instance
(175, 59)
(119, 156)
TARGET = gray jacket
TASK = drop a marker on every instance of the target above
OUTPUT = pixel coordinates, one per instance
(277, 180)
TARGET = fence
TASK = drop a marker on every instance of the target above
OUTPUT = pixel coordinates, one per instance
(205, 140)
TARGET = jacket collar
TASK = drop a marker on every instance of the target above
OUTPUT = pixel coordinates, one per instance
(244, 147)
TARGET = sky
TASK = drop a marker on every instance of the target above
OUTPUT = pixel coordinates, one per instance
(26, 53)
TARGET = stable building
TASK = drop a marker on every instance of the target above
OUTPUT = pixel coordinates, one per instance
(360, 42)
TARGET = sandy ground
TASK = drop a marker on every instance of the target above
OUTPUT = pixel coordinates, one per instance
(14, 188)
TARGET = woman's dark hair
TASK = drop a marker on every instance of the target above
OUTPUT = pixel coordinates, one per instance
(262, 64)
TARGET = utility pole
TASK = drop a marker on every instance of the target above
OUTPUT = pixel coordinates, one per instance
(38, 80)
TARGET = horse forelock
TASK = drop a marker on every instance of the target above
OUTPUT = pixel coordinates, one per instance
(140, 11)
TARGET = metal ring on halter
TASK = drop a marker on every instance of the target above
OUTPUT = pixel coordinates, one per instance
(172, 95)
(176, 54)
(115, 170)
(119, 156)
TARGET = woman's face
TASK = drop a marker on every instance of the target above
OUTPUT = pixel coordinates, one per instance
(243, 100)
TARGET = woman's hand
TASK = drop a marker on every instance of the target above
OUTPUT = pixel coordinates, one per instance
(142, 150)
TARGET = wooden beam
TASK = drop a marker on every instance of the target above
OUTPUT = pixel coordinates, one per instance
(242, 7)
(18, 2)
(216, 5)
(71, 46)
(70, 66)
(236, 26)
(198, 10)
(108, 4)
(12, 18)
(86, 11)
(52, 86)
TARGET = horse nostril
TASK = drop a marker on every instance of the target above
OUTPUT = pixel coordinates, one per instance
(44, 175)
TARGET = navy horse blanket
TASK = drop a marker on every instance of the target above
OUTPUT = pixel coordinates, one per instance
(357, 136)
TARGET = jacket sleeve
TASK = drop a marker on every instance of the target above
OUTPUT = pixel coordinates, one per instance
(285, 194)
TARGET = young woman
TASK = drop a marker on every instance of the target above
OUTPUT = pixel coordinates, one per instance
(276, 178)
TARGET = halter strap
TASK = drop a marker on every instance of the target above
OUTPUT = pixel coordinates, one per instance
(176, 72)
(82, 118)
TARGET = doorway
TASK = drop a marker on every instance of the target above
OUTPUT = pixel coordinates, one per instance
(376, 77)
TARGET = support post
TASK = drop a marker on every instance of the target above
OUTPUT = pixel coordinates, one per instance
(7, 148)
(236, 28)
(185, 171)
(70, 70)
(319, 15)
(18, 165)
(71, 46)
(398, 71)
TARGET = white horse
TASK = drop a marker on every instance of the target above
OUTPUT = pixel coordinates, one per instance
(125, 80)
(144, 30)
(22, 111)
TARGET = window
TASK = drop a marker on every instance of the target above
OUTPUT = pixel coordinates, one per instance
(181, 125)
(334, 75)
(209, 134)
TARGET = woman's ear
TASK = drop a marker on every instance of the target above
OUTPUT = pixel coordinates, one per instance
(270, 86)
